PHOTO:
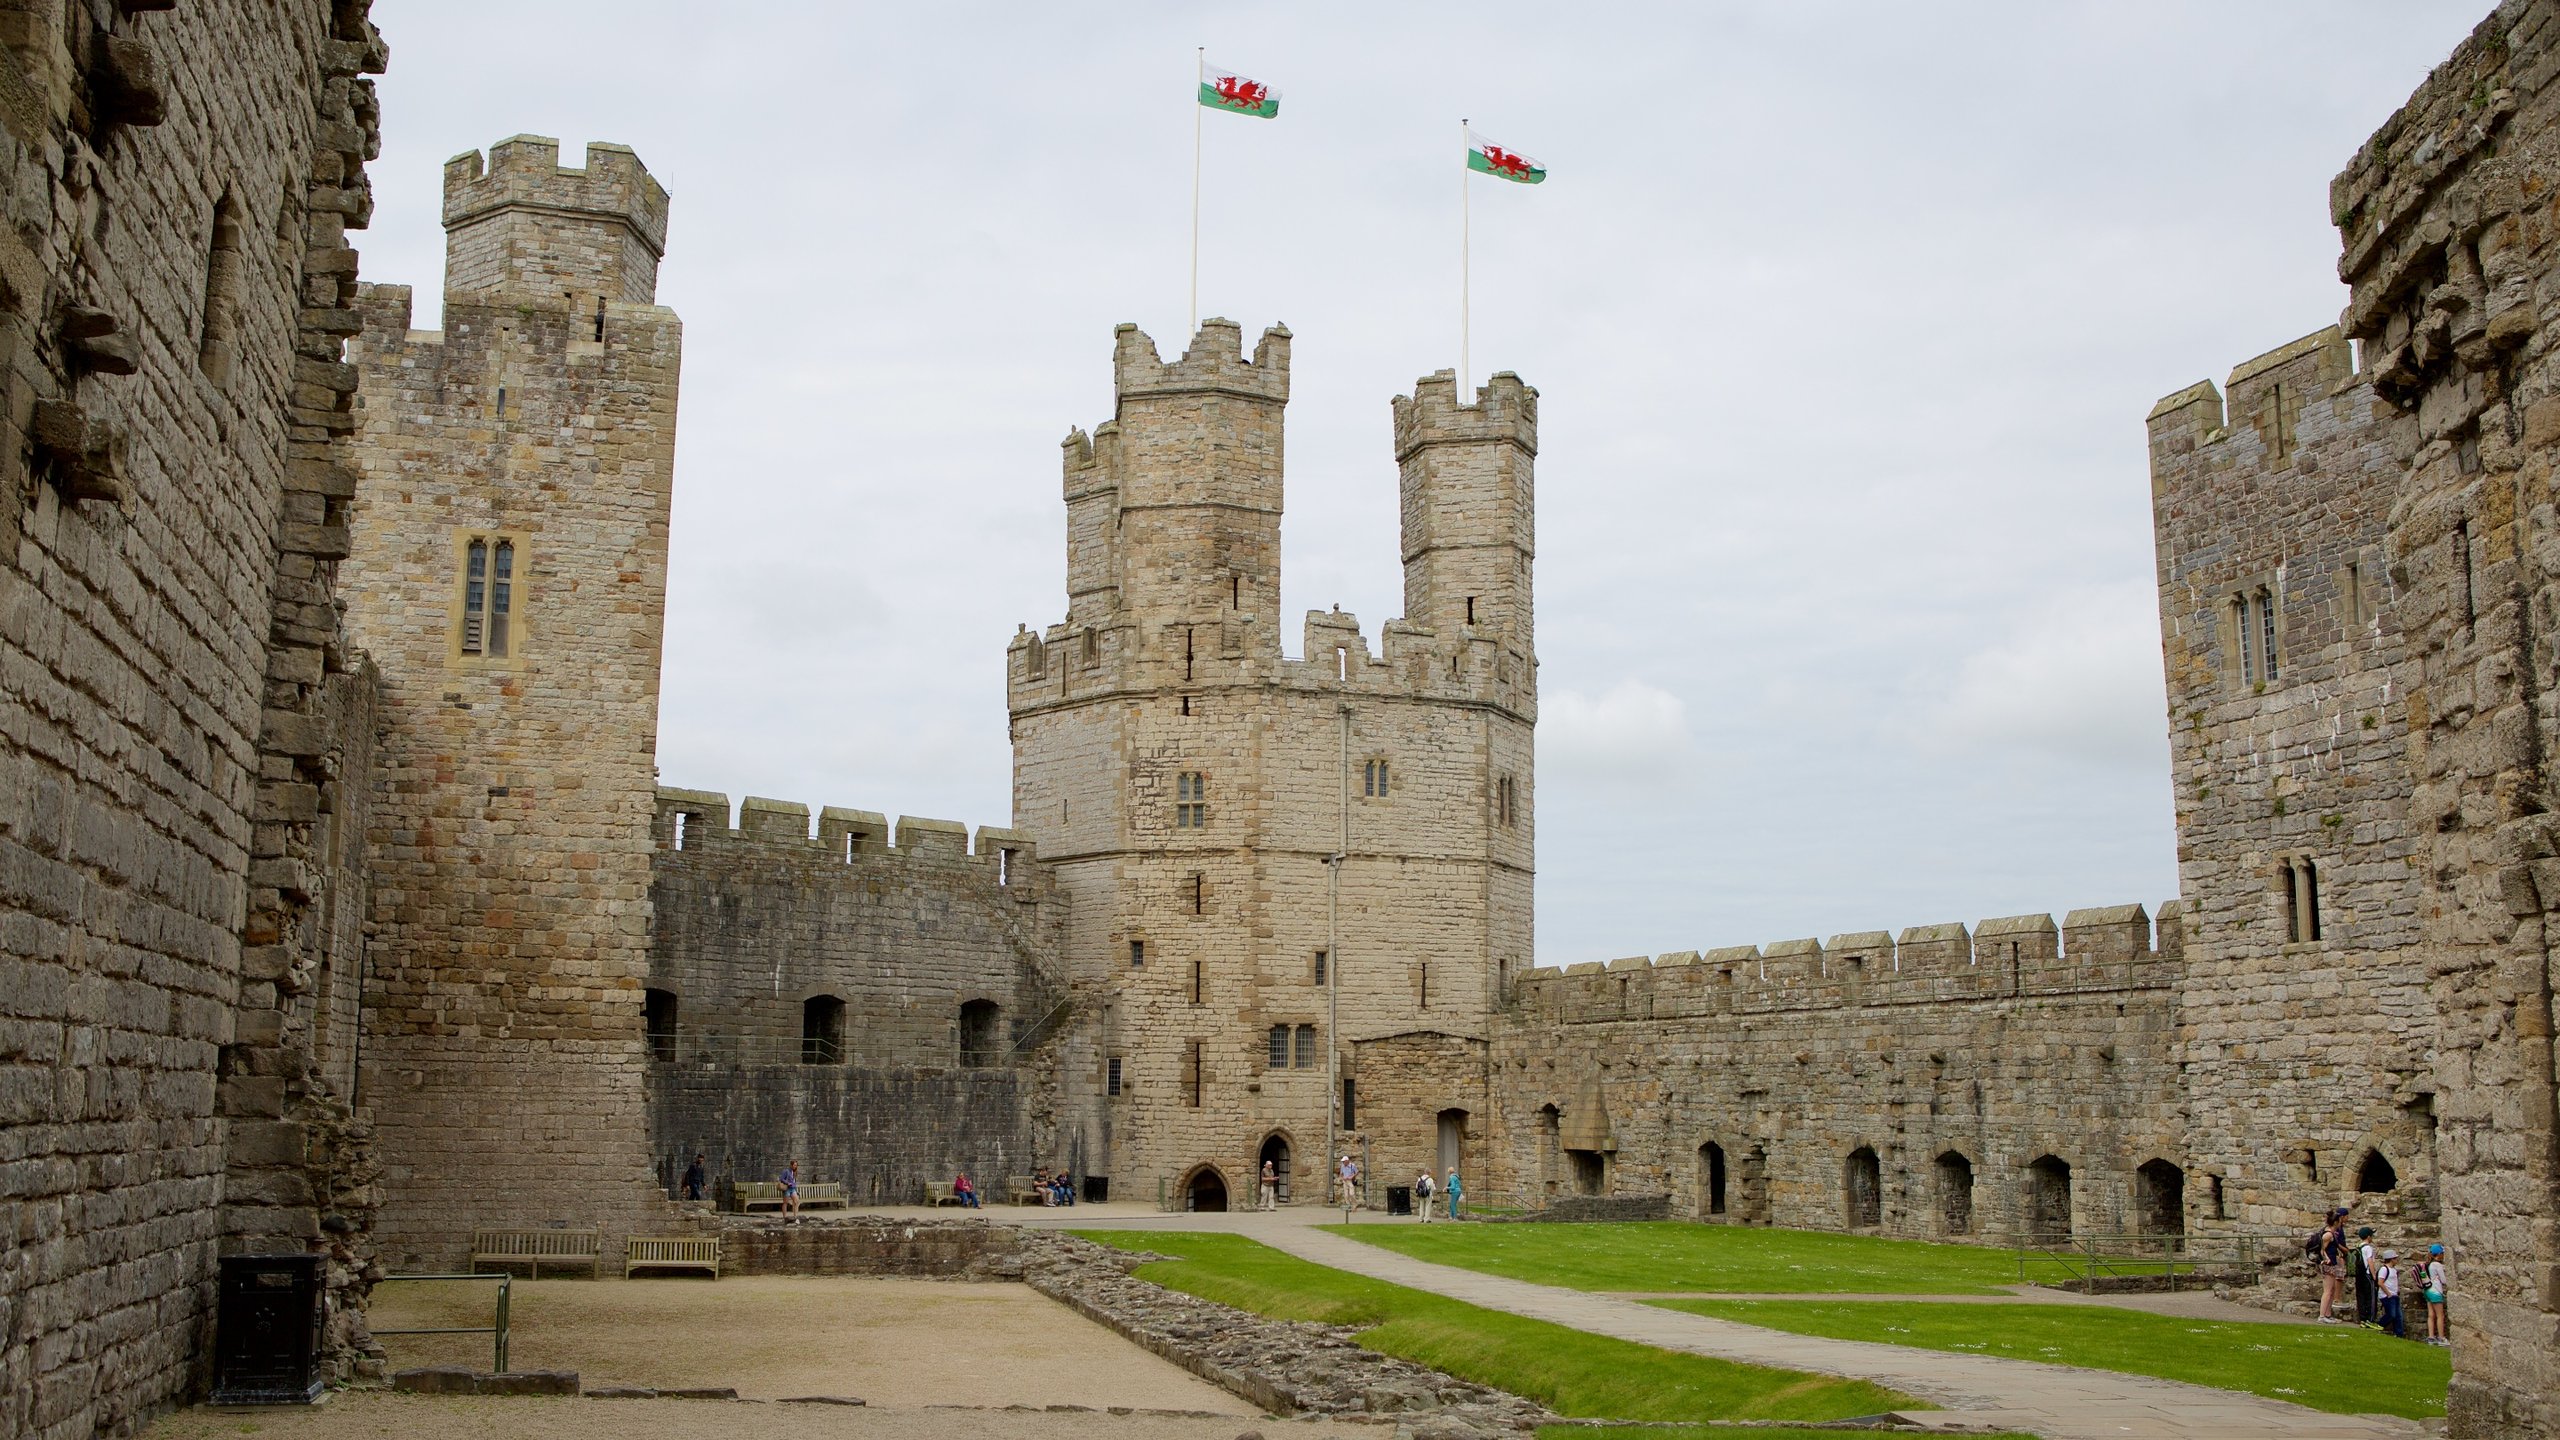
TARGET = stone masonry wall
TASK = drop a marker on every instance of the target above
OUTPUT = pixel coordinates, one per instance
(1999, 1048)
(510, 842)
(2453, 258)
(177, 708)
(2303, 1020)
(1193, 933)
(945, 965)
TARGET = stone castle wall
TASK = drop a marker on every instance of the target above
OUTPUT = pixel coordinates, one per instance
(2304, 1024)
(510, 840)
(1189, 943)
(182, 729)
(1744, 1083)
(945, 978)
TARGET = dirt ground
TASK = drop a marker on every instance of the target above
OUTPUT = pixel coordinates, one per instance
(900, 1343)
(375, 1415)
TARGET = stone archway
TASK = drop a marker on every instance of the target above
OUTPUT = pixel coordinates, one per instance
(1204, 1191)
(1862, 1190)
(1275, 1153)
(1711, 1179)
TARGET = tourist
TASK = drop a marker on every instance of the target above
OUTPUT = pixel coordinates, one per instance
(964, 1192)
(1350, 1179)
(1422, 1196)
(696, 1179)
(2366, 1290)
(1047, 1187)
(1454, 1191)
(2330, 1248)
(1270, 1186)
(1066, 1187)
(789, 1180)
(2386, 1296)
(2431, 1286)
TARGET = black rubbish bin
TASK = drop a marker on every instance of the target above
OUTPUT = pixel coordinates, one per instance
(266, 1338)
(1399, 1199)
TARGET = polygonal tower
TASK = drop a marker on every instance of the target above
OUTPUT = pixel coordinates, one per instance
(1298, 887)
(509, 575)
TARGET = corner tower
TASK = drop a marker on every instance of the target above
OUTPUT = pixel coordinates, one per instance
(509, 575)
(1201, 795)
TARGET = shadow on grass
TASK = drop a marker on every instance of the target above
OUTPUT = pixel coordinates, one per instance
(1569, 1371)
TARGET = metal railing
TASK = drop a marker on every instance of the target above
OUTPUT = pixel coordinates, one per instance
(2176, 1262)
(497, 1328)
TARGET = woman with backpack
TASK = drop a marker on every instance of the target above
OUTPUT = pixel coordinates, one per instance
(2331, 1248)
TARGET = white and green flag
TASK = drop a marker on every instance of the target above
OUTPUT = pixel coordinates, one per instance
(1487, 158)
(1233, 93)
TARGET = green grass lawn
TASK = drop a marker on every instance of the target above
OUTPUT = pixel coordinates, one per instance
(1723, 1432)
(2326, 1367)
(1566, 1370)
(1716, 1259)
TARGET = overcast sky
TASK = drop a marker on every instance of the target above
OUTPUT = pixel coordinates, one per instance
(1844, 320)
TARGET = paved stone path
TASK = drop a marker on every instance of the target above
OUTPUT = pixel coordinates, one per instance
(2059, 1402)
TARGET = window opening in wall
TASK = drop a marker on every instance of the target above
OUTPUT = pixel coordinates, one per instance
(1471, 609)
(1092, 648)
(475, 594)
(684, 824)
(1186, 652)
(1306, 1047)
(1190, 801)
(821, 1030)
(1955, 1192)
(1191, 1079)
(2159, 1198)
(1111, 1076)
(2375, 1174)
(981, 1023)
(2049, 1199)
(1320, 959)
(1004, 866)
(1711, 1179)
(2462, 570)
(1195, 981)
(502, 570)
(1425, 985)
(1137, 954)
(1506, 802)
(1279, 1047)
(1036, 659)
(658, 1022)
(1199, 893)
(2310, 898)
(1186, 704)
(1341, 662)
(2247, 670)
(599, 318)
(2353, 585)
(2266, 635)
(502, 402)
(2213, 1197)
(852, 844)
(1350, 1105)
(1373, 779)
(2301, 880)
(218, 345)
(1235, 592)
(1862, 1186)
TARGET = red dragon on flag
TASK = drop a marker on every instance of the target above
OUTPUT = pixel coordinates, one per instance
(1487, 158)
(1223, 90)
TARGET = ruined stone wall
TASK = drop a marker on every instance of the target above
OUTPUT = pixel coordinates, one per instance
(1188, 943)
(1998, 1049)
(173, 284)
(940, 968)
(510, 836)
(2304, 1024)
(2453, 257)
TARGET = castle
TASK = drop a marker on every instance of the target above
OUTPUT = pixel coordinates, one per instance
(342, 909)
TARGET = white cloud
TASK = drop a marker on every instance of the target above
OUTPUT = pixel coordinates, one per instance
(2078, 680)
(1630, 732)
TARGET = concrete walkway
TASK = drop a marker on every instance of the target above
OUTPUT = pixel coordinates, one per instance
(2058, 1402)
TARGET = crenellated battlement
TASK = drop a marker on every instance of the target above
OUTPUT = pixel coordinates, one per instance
(2264, 393)
(1215, 362)
(2107, 948)
(1504, 409)
(854, 837)
(525, 170)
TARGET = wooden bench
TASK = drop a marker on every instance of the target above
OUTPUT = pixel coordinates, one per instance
(950, 1195)
(534, 1248)
(1022, 1190)
(671, 1252)
(814, 1195)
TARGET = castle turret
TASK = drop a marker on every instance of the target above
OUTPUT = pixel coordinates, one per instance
(527, 231)
(1468, 500)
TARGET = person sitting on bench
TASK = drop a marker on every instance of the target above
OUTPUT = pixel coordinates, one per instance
(964, 1192)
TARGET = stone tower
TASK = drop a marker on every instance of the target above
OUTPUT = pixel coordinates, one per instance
(509, 575)
(1202, 795)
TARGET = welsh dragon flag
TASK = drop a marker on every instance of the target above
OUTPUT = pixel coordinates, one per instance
(1228, 91)
(1486, 157)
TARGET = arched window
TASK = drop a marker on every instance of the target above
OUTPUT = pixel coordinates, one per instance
(821, 1030)
(1862, 1190)
(2375, 1174)
(981, 1025)
(1373, 779)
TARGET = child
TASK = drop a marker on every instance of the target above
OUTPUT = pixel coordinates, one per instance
(2431, 1282)
(2386, 1295)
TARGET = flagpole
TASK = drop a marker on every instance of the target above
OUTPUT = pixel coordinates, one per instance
(1199, 77)
(1465, 225)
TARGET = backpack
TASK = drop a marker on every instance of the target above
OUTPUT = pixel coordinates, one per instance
(2311, 1244)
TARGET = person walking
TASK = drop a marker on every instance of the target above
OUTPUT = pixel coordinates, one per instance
(2330, 1250)
(2367, 1291)
(1270, 1186)
(696, 1179)
(2432, 1289)
(1453, 1191)
(1422, 1196)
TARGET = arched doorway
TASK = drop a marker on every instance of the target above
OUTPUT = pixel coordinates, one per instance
(2375, 1174)
(2159, 1199)
(1862, 1190)
(2049, 1199)
(822, 1030)
(1453, 1145)
(1550, 1139)
(1204, 1191)
(980, 1024)
(1275, 1153)
(1955, 1193)
(1710, 1180)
